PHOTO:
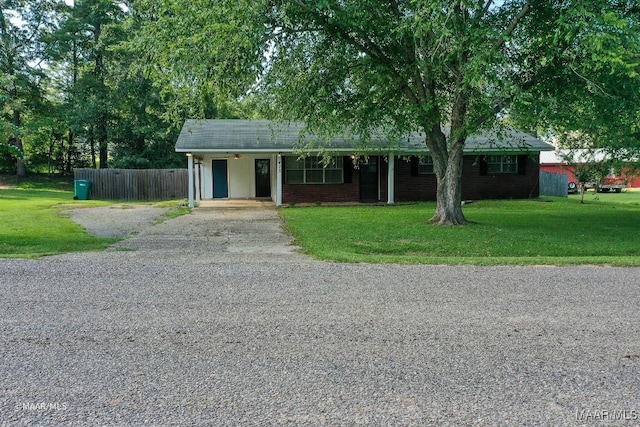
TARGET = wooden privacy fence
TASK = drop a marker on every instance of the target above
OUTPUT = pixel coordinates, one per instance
(136, 184)
(553, 184)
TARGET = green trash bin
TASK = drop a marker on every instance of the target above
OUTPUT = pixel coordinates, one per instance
(82, 187)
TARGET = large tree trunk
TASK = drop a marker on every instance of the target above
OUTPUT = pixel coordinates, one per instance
(17, 141)
(447, 152)
(449, 191)
(92, 145)
(447, 158)
(102, 143)
(101, 125)
(69, 153)
(21, 167)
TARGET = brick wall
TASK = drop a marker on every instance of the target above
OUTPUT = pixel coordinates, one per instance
(500, 186)
(412, 188)
(423, 187)
(474, 185)
(312, 193)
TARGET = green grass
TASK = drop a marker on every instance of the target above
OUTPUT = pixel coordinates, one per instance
(32, 222)
(176, 208)
(550, 231)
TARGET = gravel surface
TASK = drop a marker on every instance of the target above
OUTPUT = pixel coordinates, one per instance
(194, 322)
(117, 220)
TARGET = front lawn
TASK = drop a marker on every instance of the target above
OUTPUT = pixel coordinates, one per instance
(32, 222)
(546, 231)
(32, 225)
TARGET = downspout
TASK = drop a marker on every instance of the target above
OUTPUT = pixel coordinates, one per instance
(279, 180)
(391, 180)
(198, 180)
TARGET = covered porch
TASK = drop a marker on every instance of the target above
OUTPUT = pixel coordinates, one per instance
(247, 176)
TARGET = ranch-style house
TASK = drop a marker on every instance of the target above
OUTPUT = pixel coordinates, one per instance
(256, 159)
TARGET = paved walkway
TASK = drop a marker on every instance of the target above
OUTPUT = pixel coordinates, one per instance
(216, 231)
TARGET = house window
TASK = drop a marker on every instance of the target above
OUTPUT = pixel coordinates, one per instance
(425, 165)
(312, 170)
(502, 164)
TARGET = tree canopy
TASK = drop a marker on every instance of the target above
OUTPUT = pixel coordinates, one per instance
(69, 94)
(20, 90)
(399, 66)
(104, 81)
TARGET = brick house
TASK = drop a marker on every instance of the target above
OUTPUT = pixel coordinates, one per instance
(245, 159)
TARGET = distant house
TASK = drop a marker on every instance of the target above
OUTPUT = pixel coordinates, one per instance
(245, 159)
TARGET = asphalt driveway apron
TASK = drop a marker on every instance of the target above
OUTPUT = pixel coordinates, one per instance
(218, 231)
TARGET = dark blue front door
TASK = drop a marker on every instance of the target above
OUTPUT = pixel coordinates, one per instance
(220, 183)
(369, 180)
(263, 178)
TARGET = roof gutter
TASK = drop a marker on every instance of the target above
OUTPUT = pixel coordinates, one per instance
(520, 150)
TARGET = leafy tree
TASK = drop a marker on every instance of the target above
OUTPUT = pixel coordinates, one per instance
(11, 150)
(148, 116)
(106, 100)
(64, 52)
(591, 167)
(81, 45)
(362, 66)
(20, 81)
(142, 135)
(46, 140)
(595, 102)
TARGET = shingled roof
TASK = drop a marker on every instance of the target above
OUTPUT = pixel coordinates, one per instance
(262, 136)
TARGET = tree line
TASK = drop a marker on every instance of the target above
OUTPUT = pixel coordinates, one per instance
(445, 68)
(72, 94)
(107, 83)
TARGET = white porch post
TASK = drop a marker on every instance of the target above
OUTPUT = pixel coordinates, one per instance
(279, 180)
(391, 180)
(198, 178)
(191, 183)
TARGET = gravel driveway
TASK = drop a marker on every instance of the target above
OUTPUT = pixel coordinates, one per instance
(213, 319)
(117, 220)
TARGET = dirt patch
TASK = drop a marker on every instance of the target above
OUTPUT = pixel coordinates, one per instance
(7, 182)
(117, 220)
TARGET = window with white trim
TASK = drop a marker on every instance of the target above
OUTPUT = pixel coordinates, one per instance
(312, 170)
(502, 164)
(425, 165)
